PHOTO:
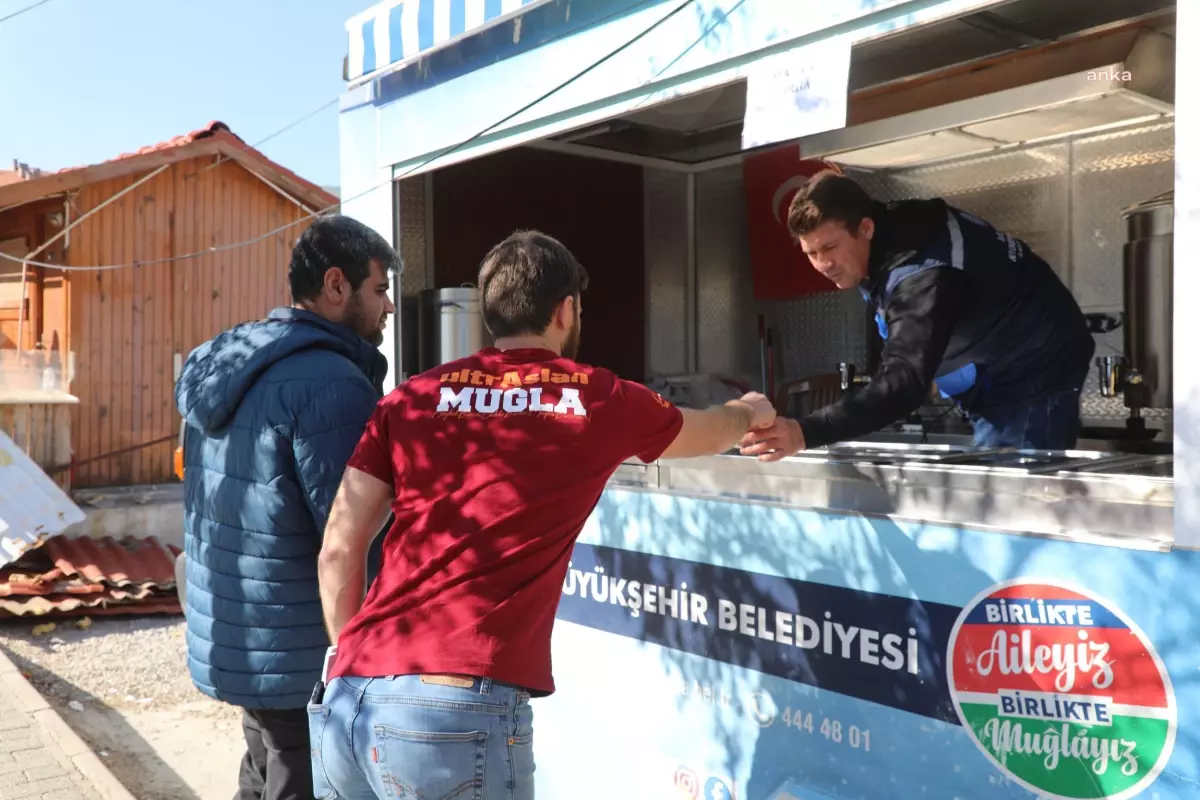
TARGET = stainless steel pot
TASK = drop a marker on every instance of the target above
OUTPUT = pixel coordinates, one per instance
(1148, 273)
(451, 325)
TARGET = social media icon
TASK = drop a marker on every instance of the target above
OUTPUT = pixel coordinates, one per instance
(717, 789)
(687, 785)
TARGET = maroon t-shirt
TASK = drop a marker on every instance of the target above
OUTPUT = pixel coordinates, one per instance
(497, 461)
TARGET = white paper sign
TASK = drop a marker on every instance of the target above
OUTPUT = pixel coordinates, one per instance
(797, 93)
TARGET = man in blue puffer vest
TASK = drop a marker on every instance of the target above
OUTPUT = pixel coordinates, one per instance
(274, 409)
(959, 304)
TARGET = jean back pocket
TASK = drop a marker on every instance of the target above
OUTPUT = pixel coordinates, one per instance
(430, 766)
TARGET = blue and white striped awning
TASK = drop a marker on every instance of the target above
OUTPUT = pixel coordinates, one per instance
(396, 31)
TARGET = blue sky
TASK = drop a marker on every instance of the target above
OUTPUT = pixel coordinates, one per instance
(85, 80)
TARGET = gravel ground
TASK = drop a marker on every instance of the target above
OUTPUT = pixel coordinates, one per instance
(122, 684)
(121, 661)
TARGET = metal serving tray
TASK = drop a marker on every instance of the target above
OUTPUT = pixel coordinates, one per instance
(962, 457)
(888, 452)
(1162, 467)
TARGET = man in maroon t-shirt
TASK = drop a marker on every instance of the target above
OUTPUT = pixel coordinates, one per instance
(491, 464)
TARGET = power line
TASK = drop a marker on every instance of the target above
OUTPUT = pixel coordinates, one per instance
(447, 151)
(291, 125)
(21, 11)
(435, 157)
(721, 19)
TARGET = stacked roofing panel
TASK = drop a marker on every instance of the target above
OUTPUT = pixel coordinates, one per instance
(70, 576)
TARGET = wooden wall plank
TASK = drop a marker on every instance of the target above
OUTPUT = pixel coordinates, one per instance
(126, 325)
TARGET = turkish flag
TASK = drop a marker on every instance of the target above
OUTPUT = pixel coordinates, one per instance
(771, 178)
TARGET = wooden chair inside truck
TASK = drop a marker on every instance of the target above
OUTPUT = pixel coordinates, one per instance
(801, 397)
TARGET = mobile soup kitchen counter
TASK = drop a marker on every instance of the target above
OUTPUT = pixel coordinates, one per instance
(906, 617)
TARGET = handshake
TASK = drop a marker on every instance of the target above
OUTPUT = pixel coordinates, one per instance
(770, 437)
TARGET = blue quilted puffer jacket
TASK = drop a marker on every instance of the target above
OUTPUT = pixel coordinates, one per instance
(274, 409)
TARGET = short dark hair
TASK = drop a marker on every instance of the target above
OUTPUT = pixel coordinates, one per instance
(828, 197)
(523, 279)
(336, 241)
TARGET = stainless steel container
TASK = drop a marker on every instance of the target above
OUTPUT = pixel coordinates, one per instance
(451, 325)
(1148, 288)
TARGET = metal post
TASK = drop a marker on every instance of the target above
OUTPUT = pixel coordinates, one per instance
(399, 369)
(1068, 250)
(21, 313)
(430, 270)
(690, 290)
(1187, 281)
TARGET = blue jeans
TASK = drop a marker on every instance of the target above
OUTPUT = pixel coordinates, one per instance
(407, 739)
(1049, 423)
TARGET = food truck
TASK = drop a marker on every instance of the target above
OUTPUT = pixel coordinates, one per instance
(905, 616)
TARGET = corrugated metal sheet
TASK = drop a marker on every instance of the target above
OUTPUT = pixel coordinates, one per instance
(127, 562)
(158, 605)
(32, 507)
(107, 604)
(106, 575)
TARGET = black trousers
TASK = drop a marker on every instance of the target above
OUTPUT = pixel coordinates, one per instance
(277, 764)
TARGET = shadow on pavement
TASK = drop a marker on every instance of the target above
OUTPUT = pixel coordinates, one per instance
(132, 760)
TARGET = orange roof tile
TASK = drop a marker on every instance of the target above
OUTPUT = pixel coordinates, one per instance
(215, 131)
(170, 144)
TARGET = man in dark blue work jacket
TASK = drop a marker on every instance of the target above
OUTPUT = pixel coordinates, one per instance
(958, 303)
